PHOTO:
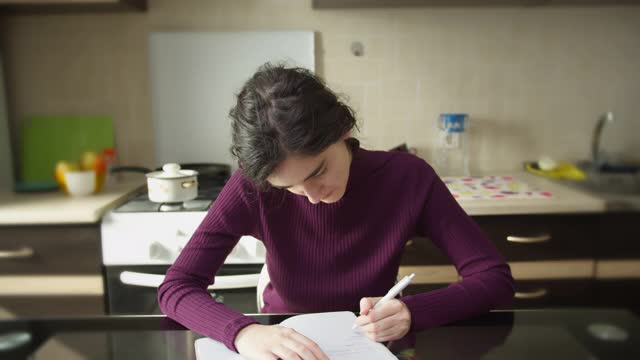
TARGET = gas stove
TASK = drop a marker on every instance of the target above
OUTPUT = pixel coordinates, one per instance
(141, 232)
(139, 202)
(141, 239)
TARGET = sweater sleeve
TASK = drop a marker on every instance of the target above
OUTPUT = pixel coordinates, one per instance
(486, 278)
(183, 295)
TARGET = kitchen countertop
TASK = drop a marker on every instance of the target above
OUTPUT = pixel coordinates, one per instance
(564, 199)
(618, 202)
(57, 208)
(51, 208)
(521, 334)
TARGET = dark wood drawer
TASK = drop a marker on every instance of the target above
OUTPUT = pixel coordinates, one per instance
(536, 293)
(422, 288)
(12, 307)
(50, 250)
(553, 293)
(522, 238)
(421, 251)
(618, 293)
(542, 237)
(620, 236)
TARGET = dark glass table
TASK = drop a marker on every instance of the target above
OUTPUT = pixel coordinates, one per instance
(523, 334)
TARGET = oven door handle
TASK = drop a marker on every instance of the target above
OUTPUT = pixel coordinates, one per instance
(223, 282)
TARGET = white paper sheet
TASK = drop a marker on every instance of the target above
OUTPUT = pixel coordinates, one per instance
(331, 331)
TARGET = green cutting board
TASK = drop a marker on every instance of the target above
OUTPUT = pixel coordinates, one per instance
(49, 139)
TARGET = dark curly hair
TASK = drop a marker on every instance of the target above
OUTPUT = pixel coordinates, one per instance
(281, 111)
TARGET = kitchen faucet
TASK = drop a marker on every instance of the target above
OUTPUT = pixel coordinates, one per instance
(597, 159)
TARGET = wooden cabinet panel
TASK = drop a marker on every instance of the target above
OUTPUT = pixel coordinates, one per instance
(16, 7)
(618, 293)
(522, 238)
(542, 237)
(619, 236)
(336, 4)
(50, 271)
(50, 250)
(553, 293)
(415, 289)
(421, 251)
(536, 293)
(557, 260)
(12, 307)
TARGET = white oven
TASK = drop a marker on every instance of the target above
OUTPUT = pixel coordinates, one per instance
(139, 247)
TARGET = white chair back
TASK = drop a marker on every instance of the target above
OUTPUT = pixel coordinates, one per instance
(263, 281)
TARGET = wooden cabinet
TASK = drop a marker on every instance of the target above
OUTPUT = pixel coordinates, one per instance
(9, 7)
(50, 271)
(415, 289)
(523, 238)
(546, 293)
(556, 260)
(421, 251)
(551, 257)
(50, 250)
(12, 307)
(542, 237)
(334, 4)
(619, 236)
(617, 255)
(532, 294)
(618, 293)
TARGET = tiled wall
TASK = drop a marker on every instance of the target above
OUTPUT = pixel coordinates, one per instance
(533, 79)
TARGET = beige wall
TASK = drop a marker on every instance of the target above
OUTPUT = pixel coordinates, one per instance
(533, 79)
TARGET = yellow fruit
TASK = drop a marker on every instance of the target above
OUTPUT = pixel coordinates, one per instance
(91, 160)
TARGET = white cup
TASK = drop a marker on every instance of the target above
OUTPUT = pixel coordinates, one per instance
(80, 183)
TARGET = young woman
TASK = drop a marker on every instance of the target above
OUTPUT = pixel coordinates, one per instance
(334, 219)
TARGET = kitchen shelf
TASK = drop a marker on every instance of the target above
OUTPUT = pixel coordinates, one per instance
(338, 4)
(35, 7)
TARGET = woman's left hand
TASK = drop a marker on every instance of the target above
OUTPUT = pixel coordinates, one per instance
(391, 320)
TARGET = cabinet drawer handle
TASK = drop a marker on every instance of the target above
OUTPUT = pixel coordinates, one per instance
(535, 294)
(529, 239)
(22, 253)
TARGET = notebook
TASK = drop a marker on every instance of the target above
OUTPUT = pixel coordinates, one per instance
(331, 331)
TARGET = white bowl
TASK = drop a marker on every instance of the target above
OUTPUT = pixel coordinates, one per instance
(80, 183)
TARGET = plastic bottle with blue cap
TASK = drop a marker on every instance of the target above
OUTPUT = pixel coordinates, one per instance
(452, 157)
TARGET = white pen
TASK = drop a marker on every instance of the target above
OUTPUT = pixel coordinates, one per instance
(395, 290)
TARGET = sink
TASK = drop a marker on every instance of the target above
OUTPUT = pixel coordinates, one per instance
(605, 177)
(609, 179)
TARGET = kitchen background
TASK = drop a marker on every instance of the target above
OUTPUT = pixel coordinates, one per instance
(534, 79)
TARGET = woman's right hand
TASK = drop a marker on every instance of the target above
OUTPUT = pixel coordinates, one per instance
(271, 342)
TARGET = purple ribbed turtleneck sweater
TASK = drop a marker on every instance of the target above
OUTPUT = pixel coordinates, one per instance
(325, 257)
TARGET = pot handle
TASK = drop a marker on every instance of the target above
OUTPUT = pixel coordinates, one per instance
(139, 169)
(188, 184)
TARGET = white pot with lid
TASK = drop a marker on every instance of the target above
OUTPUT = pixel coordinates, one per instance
(172, 184)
